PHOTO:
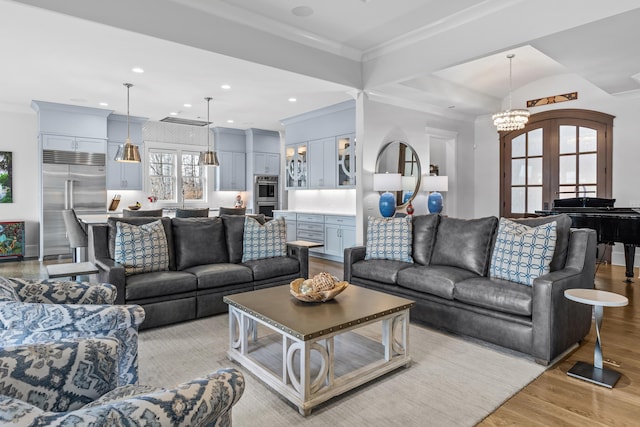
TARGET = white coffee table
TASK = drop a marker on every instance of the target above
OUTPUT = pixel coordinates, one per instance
(598, 299)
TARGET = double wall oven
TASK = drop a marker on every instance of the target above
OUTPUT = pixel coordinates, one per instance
(265, 194)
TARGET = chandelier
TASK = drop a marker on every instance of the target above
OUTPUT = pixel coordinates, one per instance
(509, 120)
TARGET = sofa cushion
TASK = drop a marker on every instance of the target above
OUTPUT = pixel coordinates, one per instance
(438, 280)
(389, 238)
(268, 268)
(522, 253)
(264, 240)
(159, 284)
(199, 241)
(425, 228)
(234, 231)
(141, 249)
(563, 231)
(495, 294)
(220, 275)
(464, 243)
(60, 376)
(379, 270)
(166, 223)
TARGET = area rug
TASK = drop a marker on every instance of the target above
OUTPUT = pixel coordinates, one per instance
(451, 382)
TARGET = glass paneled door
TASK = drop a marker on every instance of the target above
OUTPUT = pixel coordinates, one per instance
(560, 154)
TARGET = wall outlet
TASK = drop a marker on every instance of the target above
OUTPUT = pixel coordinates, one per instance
(634, 204)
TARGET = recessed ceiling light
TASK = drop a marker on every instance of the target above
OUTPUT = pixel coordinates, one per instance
(173, 113)
(292, 99)
(138, 70)
(225, 87)
(188, 105)
(302, 11)
(104, 104)
(230, 121)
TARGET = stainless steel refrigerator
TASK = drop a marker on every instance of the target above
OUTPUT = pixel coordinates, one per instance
(70, 180)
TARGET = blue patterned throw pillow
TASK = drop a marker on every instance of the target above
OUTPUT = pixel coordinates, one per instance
(263, 241)
(522, 253)
(141, 248)
(389, 238)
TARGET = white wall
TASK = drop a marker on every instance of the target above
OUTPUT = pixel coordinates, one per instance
(626, 142)
(19, 135)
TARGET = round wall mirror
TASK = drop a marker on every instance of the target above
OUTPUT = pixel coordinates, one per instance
(400, 157)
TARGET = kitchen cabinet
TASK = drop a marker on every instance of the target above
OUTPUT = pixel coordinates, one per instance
(340, 233)
(122, 175)
(310, 227)
(231, 172)
(73, 143)
(290, 219)
(266, 164)
(346, 160)
(296, 166)
(322, 163)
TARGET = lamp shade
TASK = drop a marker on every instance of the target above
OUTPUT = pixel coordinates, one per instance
(128, 153)
(208, 158)
(387, 182)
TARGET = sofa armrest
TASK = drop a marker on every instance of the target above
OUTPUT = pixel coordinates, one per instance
(63, 292)
(204, 401)
(300, 253)
(557, 322)
(351, 256)
(112, 272)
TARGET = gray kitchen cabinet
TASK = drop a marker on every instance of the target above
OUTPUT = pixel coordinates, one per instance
(340, 233)
(322, 163)
(231, 172)
(73, 143)
(122, 175)
(266, 163)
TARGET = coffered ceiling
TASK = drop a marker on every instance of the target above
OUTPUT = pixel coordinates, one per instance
(439, 56)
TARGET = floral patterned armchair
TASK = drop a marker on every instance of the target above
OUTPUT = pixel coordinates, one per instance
(73, 382)
(36, 311)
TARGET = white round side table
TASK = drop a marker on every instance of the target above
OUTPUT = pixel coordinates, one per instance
(598, 299)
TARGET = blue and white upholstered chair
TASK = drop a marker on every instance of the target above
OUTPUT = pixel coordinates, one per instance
(37, 311)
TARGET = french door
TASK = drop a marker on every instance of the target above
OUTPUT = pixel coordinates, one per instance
(559, 154)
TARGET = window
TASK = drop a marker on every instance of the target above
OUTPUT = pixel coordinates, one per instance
(175, 176)
(559, 154)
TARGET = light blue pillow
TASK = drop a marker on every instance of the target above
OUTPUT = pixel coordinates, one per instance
(263, 241)
(522, 253)
(141, 248)
(389, 238)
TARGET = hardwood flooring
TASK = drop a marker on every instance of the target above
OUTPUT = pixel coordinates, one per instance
(554, 398)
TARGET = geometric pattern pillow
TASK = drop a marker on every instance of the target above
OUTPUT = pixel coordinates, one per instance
(389, 238)
(264, 241)
(522, 253)
(141, 248)
(60, 376)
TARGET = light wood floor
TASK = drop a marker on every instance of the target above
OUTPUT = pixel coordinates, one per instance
(554, 398)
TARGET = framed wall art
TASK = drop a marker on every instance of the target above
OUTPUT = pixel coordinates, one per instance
(6, 177)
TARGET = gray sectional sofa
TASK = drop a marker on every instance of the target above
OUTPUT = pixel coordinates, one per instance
(205, 263)
(449, 280)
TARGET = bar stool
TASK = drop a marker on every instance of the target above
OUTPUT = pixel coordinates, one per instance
(76, 233)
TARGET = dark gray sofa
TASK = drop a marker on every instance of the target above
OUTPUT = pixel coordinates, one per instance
(205, 263)
(449, 282)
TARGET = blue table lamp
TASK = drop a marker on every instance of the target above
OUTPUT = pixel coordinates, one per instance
(387, 182)
(435, 184)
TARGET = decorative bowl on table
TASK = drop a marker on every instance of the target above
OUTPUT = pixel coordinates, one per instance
(320, 288)
(134, 207)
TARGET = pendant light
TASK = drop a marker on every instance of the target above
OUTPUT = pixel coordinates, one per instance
(208, 158)
(128, 152)
(509, 120)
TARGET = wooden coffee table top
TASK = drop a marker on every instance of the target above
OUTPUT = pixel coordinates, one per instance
(306, 321)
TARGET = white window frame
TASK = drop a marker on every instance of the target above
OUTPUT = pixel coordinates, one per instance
(176, 150)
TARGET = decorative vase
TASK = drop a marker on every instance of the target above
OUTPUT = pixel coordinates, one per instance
(410, 209)
(387, 204)
(434, 203)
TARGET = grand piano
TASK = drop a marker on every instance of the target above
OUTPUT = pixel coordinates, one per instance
(612, 225)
